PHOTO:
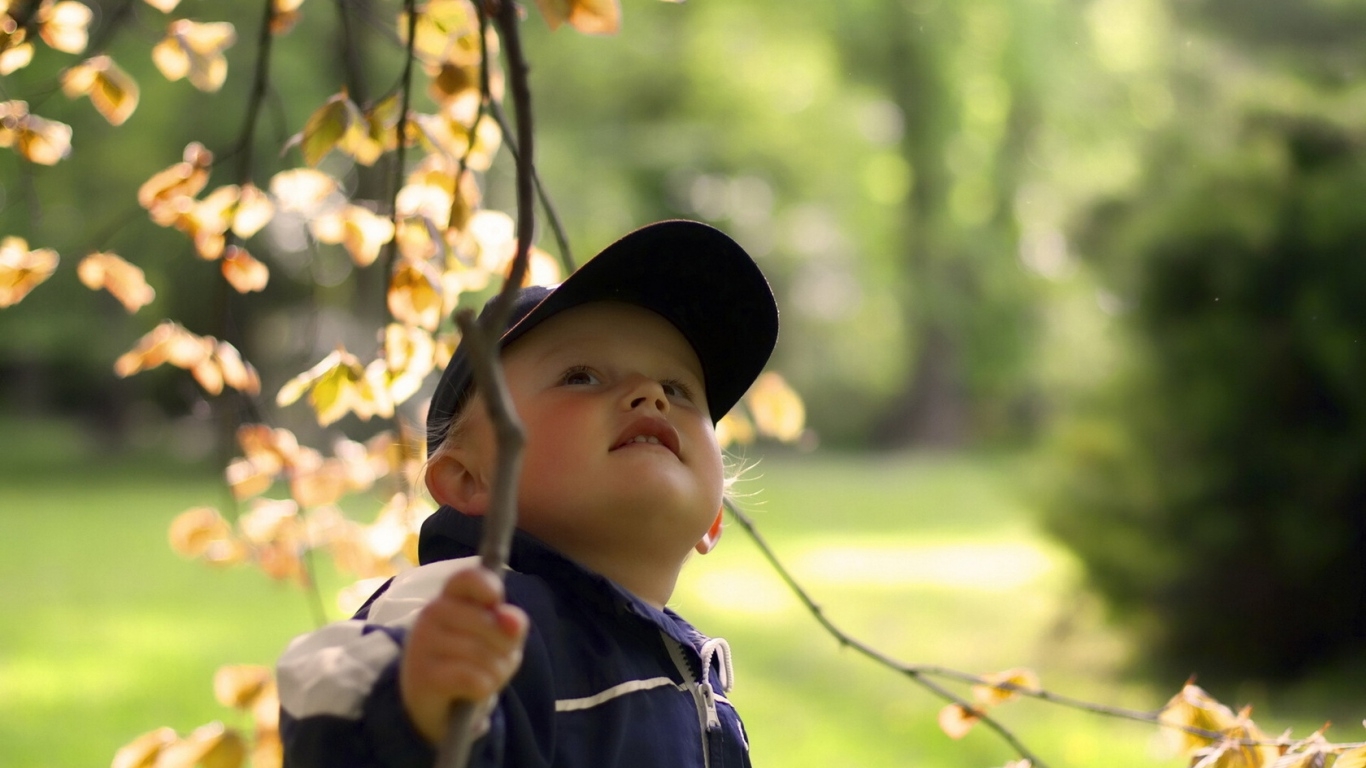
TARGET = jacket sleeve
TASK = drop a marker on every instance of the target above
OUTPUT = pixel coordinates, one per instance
(339, 695)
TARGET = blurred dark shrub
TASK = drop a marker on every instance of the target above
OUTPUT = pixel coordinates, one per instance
(1216, 491)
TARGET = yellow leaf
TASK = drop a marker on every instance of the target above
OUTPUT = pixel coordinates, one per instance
(956, 720)
(235, 372)
(325, 127)
(195, 530)
(254, 210)
(364, 234)
(415, 295)
(165, 6)
(112, 91)
(1000, 687)
(41, 141)
(208, 221)
(453, 80)
(325, 483)
(1193, 708)
(265, 715)
(15, 52)
(195, 51)
(1352, 758)
(356, 465)
(22, 270)
(446, 29)
(270, 521)
(161, 194)
(208, 375)
(493, 237)
(297, 386)
(777, 409)
(281, 562)
(333, 386)
(63, 25)
(541, 268)
(239, 685)
(285, 17)
(451, 137)
(409, 355)
(591, 17)
(269, 449)
(124, 280)
(734, 429)
(143, 751)
(167, 343)
(372, 394)
(242, 271)
(303, 190)
(209, 746)
(418, 238)
(246, 478)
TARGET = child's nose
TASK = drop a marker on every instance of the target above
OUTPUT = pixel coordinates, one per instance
(646, 392)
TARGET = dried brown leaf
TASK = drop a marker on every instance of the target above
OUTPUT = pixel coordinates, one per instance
(125, 281)
(22, 269)
(956, 720)
(143, 751)
(240, 685)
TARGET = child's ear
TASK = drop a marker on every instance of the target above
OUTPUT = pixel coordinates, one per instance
(713, 535)
(455, 479)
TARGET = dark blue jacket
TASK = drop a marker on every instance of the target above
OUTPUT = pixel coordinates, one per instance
(606, 679)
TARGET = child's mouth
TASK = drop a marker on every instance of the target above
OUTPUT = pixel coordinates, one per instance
(649, 432)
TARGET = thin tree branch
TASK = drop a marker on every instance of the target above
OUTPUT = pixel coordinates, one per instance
(350, 53)
(401, 154)
(259, 88)
(916, 674)
(921, 673)
(501, 520)
(556, 226)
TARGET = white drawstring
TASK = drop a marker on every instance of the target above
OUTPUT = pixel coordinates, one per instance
(718, 647)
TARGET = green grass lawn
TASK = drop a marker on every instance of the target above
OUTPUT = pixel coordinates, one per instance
(932, 560)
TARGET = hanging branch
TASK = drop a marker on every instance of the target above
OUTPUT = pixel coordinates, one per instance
(556, 225)
(501, 520)
(401, 130)
(921, 673)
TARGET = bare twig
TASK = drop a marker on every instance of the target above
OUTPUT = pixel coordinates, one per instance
(552, 216)
(921, 673)
(401, 130)
(501, 520)
(915, 673)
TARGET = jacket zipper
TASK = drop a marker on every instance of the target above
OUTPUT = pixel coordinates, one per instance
(703, 695)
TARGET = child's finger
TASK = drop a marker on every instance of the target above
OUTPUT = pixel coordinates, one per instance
(477, 584)
(512, 620)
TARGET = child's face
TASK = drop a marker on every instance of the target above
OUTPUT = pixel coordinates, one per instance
(621, 458)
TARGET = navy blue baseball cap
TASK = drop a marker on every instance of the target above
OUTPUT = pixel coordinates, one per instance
(691, 274)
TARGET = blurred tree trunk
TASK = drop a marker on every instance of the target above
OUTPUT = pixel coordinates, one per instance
(963, 321)
(931, 409)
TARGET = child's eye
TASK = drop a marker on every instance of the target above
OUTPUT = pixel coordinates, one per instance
(674, 388)
(579, 375)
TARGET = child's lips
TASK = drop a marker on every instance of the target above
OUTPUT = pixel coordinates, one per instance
(647, 431)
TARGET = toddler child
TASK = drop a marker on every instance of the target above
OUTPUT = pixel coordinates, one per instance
(619, 375)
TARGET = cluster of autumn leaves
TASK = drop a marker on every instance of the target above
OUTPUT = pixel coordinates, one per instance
(1200, 727)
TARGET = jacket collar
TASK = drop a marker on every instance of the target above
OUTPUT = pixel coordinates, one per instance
(449, 534)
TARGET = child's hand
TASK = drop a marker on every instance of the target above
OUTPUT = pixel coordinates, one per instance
(466, 644)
